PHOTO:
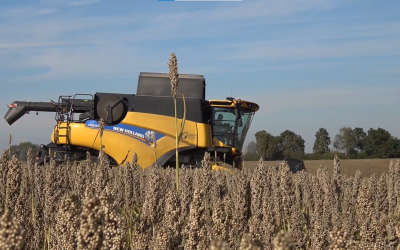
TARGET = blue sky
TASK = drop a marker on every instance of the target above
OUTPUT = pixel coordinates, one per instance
(307, 63)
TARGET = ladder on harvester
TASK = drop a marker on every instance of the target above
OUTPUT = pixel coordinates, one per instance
(65, 114)
(63, 119)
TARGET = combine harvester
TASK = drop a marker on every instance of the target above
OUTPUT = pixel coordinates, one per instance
(215, 126)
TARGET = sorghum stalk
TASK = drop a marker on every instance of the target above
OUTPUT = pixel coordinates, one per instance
(9, 144)
(244, 155)
(101, 127)
(155, 148)
(174, 77)
(101, 131)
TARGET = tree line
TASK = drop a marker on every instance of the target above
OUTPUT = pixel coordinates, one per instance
(349, 143)
(21, 150)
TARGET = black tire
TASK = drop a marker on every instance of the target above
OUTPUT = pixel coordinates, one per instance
(43, 154)
(238, 162)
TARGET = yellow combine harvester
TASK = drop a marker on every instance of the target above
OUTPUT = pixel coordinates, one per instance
(132, 120)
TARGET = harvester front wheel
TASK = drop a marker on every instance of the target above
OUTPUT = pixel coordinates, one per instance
(238, 162)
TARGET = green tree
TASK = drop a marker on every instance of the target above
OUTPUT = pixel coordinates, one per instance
(21, 150)
(359, 137)
(322, 141)
(252, 154)
(345, 141)
(266, 145)
(252, 147)
(380, 143)
(290, 143)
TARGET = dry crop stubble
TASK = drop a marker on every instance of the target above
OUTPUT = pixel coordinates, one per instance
(83, 205)
(349, 167)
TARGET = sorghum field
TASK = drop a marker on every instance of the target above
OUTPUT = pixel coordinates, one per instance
(93, 206)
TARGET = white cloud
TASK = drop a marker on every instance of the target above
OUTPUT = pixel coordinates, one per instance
(247, 10)
(176, 24)
(103, 61)
(23, 45)
(387, 71)
(19, 13)
(320, 32)
(315, 50)
(222, 68)
(277, 101)
(84, 2)
(217, 22)
(108, 59)
(60, 29)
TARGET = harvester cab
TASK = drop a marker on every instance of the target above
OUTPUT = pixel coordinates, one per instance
(144, 124)
(231, 119)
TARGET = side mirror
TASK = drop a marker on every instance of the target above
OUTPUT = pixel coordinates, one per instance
(237, 111)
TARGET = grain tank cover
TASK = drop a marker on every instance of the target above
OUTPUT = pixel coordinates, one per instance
(158, 84)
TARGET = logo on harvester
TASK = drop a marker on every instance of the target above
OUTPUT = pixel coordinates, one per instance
(128, 131)
(92, 124)
(148, 136)
(134, 132)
